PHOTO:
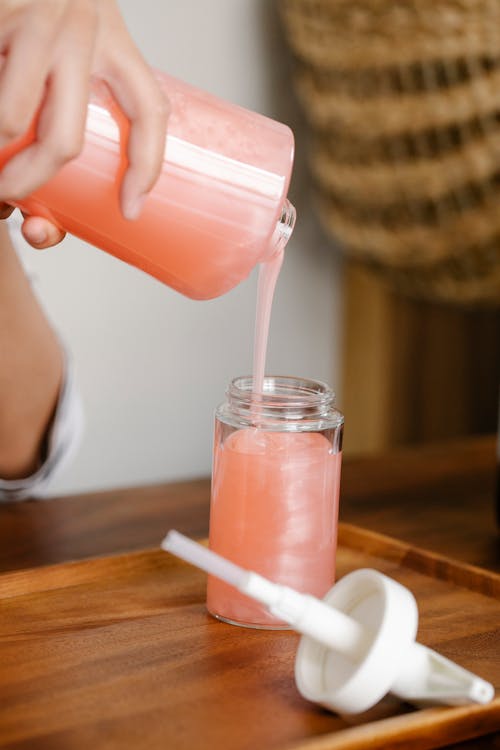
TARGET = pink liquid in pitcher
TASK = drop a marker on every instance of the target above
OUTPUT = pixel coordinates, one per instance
(210, 217)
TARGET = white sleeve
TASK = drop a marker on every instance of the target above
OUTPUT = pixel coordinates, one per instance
(62, 441)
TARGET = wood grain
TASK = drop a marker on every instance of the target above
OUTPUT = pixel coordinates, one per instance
(45, 532)
(119, 652)
(440, 497)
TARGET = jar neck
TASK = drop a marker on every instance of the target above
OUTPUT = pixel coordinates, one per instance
(284, 399)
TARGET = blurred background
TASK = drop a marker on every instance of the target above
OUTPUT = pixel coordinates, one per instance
(391, 283)
(403, 108)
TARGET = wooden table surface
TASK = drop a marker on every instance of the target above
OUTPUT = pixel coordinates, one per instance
(437, 497)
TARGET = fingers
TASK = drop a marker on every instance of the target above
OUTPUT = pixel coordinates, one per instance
(139, 96)
(61, 122)
(51, 49)
(23, 75)
(40, 233)
(59, 137)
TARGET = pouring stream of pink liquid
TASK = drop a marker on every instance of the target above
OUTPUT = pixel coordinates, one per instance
(268, 276)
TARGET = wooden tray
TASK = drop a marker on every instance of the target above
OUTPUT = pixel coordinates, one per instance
(119, 652)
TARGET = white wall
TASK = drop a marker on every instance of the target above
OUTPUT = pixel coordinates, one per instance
(153, 365)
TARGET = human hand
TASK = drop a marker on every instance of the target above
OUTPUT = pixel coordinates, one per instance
(51, 49)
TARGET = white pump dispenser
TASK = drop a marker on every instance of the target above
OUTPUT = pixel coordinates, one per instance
(358, 642)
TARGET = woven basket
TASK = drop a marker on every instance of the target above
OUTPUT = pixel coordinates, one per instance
(403, 99)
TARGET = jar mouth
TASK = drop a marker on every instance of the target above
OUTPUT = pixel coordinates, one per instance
(284, 399)
(283, 389)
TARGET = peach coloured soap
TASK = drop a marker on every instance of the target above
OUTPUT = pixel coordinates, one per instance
(273, 510)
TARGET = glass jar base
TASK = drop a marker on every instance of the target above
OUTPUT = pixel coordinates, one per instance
(254, 626)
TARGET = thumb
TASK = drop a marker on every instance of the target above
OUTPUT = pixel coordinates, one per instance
(40, 233)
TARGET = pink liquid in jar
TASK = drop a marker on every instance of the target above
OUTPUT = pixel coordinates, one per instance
(275, 491)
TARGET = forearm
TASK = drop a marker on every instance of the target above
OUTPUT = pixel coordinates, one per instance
(31, 367)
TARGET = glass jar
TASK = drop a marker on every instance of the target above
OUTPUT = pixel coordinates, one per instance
(275, 490)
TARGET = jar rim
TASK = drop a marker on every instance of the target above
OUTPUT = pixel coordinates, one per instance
(282, 391)
(287, 402)
(286, 390)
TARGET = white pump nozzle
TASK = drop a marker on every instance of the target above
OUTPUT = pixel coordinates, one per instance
(359, 642)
